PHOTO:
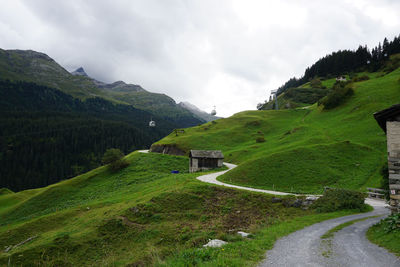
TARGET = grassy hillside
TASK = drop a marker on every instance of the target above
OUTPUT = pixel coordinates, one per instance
(303, 149)
(142, 215)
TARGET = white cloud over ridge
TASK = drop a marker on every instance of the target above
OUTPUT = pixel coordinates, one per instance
(223, 53)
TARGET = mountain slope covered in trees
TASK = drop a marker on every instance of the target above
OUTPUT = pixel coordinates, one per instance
(32, 66)
(348, 61)
(47, 135)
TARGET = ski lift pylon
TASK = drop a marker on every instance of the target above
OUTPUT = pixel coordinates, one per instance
(213, 112)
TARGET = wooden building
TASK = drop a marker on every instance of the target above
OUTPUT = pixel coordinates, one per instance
(389, 120)
(205, 160)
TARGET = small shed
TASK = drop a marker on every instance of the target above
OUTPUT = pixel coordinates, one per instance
(205, 160)
(389, 120)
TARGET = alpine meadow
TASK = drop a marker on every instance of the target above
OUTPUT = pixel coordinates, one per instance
(96, 171)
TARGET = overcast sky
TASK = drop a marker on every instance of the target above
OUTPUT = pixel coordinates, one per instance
(207, 52)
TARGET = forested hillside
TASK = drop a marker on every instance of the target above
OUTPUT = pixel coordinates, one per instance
(32, 66)
(347, 61)
(47, 135)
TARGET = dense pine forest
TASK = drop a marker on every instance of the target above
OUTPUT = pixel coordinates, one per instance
(346, 61)
(47, 135)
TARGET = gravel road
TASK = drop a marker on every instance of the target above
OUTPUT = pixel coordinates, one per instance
(348, 247)
(212, 179)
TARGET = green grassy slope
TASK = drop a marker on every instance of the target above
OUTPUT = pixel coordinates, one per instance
(305, 149)
(384, 235)
(142, 215)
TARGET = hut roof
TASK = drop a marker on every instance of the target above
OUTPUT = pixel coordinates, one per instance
(388, 114)
(213, 154)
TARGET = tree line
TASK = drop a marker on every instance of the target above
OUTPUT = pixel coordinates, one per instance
(345, 61)
(47, 135)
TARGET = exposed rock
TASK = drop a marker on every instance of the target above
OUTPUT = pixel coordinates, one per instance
(79, 72)
(166, 149)
(134, 210)
(215, 243)
(297, 203)
(243, 234)
(276, 200)
(309, 200)
(121, 86)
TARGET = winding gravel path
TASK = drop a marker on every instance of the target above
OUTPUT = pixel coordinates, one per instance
(348, 247)
(212, 179)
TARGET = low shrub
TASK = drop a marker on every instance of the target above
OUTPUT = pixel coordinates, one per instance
(361, 78)
(315, 83)
(260, 139)
(391, 223)
(114, 157)
(391, 65)
(337, 96)
(340, 199)
(305, 95)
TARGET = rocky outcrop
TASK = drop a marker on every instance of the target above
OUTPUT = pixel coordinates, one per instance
(80, 72)
(167, 149)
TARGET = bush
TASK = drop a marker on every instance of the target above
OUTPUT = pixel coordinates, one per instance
(260, 139)
(361, 78)
(114, 157)
(337, 96)
(391, 223)
(305, 95)
(315, 83)
(340, 199)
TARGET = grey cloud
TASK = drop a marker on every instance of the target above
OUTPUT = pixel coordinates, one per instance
(200, 50)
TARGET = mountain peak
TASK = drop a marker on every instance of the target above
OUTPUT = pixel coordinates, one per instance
(79, 71)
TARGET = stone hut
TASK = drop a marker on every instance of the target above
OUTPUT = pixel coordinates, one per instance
(205, 160)
(389, 120)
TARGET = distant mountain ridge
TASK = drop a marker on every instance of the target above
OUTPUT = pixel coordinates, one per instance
(118, 86)
(198, 112)
(39, 68)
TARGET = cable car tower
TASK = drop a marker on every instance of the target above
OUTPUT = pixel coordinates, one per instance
(275, 96)
(213, 112)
